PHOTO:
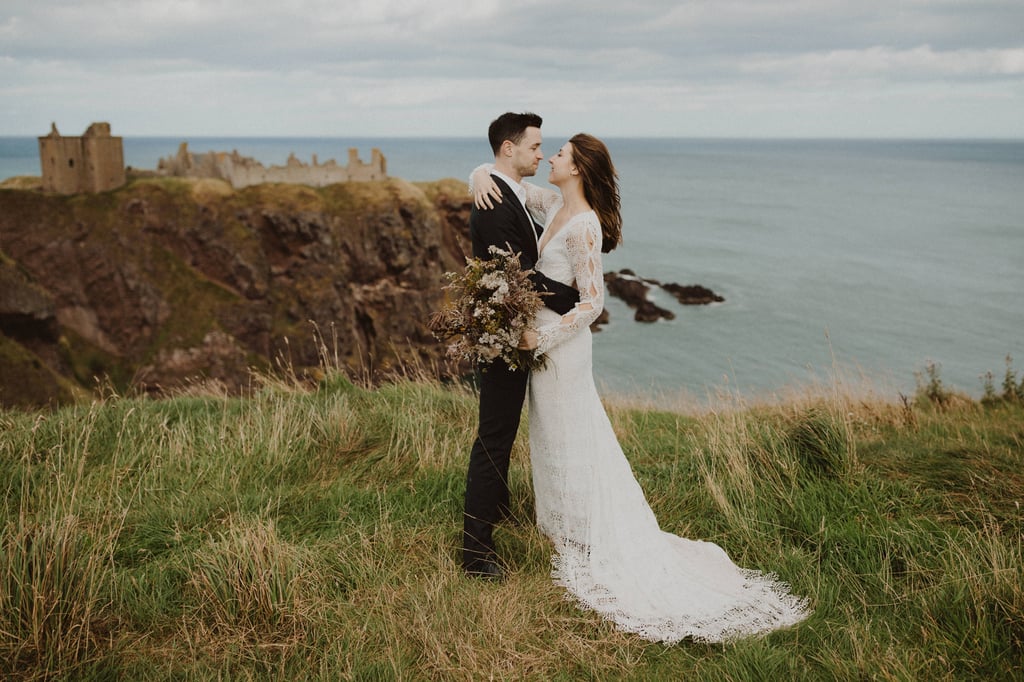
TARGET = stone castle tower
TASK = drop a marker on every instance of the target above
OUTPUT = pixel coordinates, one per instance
(91, 163)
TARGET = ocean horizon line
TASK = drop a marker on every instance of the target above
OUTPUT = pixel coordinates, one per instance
(724, 138)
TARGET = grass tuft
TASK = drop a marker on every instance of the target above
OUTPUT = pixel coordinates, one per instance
(822, 444)
(53, 595)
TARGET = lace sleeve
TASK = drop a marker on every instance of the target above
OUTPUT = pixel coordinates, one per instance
(583, 245)
(539, 201)
(486, 166)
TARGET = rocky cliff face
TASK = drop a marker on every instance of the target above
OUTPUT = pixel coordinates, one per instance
(162, 281)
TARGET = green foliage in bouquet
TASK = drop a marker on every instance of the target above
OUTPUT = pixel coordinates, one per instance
(487, 309)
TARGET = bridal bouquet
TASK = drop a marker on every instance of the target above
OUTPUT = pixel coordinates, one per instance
(487, 309)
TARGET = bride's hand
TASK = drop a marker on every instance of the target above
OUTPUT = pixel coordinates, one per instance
(528, 341)
(485, 190)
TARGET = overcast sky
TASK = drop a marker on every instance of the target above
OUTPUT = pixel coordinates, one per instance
(732, 68)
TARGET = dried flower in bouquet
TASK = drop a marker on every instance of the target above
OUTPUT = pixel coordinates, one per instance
(487, 309)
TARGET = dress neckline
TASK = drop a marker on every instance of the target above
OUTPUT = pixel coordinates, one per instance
(541, 248)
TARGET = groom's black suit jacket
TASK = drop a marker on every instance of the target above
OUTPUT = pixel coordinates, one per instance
(502, 391)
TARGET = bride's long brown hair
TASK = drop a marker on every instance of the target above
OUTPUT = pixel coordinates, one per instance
(600, 186)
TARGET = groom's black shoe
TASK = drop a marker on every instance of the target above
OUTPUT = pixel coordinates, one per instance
(485, 569)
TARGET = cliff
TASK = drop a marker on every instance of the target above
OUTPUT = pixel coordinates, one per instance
(164, 280)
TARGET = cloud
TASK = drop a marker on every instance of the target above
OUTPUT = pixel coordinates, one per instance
(233, 31)
(645, 67)
(918, 63)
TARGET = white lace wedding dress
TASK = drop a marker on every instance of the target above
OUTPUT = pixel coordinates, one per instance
(612, 556)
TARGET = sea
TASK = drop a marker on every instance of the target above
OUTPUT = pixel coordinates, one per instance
(865, 263)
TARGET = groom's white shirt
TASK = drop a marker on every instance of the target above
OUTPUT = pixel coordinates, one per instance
(520, 194)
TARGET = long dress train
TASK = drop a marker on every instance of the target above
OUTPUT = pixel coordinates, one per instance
(611, 555)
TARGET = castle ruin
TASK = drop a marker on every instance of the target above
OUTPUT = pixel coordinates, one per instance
(91, 163)
(95, 163)
(242, 171)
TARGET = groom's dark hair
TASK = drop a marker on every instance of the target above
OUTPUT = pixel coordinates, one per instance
(510, 126)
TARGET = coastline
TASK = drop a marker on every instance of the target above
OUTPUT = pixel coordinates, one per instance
(876, 256)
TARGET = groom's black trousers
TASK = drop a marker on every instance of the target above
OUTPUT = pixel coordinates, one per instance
(502, 392)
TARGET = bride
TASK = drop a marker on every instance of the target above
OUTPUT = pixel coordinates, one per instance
(611, 555)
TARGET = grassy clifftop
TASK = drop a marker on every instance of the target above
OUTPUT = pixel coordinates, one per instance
(312, 534)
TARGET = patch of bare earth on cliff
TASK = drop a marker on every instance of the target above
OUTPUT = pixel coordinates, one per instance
(22, 182)
(211, 188)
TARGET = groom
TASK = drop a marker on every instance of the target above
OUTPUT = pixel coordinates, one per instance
(516, 141)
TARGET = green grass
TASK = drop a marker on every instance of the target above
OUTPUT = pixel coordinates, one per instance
(312, 534)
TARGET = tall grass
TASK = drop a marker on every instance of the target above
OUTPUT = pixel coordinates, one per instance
(310, 531)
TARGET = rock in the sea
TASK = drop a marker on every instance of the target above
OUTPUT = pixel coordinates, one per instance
(634, 292)
(692, 294)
